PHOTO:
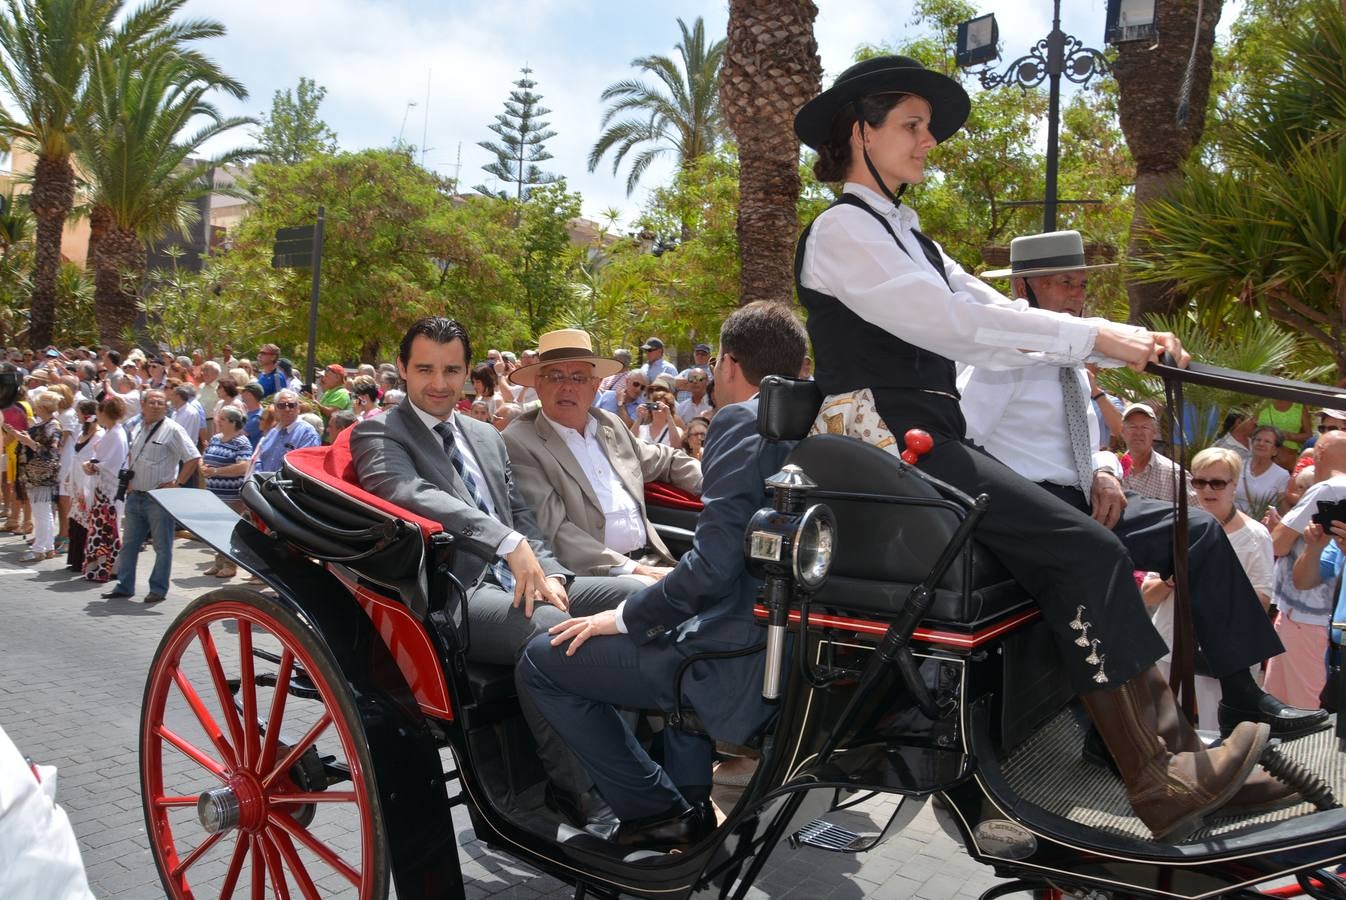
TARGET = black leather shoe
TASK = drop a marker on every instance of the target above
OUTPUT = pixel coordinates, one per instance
(152, 598)
(587, 811)
(671, 831)
(115, 594)
(1286, 721)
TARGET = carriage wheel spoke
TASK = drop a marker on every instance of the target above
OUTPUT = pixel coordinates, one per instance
(248, 688)
(272, 738)
(258, 870)
(313, 797)
(169, 802)
(196, 854)
(298, 749)
(279, 889)
(235, 868)
(321, 850)
(207, 721)
(212, 656)
(295, 865)
(193, 753)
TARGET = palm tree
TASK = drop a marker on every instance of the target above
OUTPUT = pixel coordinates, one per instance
(681, 114)
(771, 68)
(139, 161)
(46, 51)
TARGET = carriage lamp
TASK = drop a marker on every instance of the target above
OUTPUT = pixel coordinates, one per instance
(787, 544)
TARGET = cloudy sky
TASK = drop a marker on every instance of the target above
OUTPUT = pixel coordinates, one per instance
(375, 57)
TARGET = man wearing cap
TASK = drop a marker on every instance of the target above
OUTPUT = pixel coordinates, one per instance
(1152, 473)
(583, 472)
(1036, 421)
(655, 364)
(335, 397)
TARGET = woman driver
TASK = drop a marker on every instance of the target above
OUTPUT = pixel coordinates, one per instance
(888, 313)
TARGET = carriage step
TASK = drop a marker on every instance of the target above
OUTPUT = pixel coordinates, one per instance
(826, 836)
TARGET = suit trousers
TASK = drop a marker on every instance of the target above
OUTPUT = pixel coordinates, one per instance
(498, 633)
(580, 694)
(1077, 571)
(1232, 629)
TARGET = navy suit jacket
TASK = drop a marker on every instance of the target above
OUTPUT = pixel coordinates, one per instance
(706, 602)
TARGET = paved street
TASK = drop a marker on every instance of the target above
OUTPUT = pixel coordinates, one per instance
(72, 674)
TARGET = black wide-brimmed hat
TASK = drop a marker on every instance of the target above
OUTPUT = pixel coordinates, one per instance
(949, 103)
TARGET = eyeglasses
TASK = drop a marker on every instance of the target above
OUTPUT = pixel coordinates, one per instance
(1324, 429)
(556, 379)
(695, 380)
(1215, 484)
(285, 405)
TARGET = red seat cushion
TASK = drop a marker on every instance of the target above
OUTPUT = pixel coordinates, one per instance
(334, 467)
(661, 493)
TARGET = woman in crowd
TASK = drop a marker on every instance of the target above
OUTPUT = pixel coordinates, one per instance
(226, 391)
(365, 397)
(18, 511)
(695, 437)
(484, 386)
(1236, 433)
(41, 472)
(78, 484)
(1263, 480)
(888, 314)
(70, 428)
(104, 540)
(224, 464)
(655, 419)
(1293, 422)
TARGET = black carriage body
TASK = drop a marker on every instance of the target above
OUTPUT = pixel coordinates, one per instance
(984, 656)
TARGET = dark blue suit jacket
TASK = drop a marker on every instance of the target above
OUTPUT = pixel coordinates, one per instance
(706, 602)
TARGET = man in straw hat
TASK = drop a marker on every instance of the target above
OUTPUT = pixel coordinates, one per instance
(1038, 421)
(583, 472)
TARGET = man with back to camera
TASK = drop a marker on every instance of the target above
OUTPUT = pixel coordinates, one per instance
(585, 668)
(424, 456)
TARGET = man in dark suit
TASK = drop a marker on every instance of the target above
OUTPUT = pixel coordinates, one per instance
(629, 656)
(425, 457)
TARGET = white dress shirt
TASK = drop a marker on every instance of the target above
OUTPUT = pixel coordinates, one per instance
(624, 525)
(851, 257)
(473, 468)
(1019, 417)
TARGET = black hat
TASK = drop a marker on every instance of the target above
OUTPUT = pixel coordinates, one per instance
(949, 103)
(652, 344)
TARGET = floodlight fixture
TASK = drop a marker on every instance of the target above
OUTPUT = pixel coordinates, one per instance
(978, 40)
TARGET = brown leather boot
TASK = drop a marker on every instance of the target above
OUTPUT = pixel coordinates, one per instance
(1261, 790)
(1170, 792)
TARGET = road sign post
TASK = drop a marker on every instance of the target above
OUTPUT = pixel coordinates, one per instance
(299, 248)
(313, 299)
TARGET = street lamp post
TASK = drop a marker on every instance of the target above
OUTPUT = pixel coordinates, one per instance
(1055, 55)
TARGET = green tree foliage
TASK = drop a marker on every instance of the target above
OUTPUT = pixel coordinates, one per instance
(1264, 235)
(385, 217)
(292, 131)
(523, 136)
(680, 113)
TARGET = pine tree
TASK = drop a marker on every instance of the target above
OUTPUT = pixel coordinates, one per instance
(522, 134)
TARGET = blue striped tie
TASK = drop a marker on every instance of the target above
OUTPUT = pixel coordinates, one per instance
(500, 569)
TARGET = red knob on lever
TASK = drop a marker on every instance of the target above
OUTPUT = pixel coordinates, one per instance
(918, 444)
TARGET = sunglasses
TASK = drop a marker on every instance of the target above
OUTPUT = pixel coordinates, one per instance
(285, 405)
(1324, 429)
(1215, 484)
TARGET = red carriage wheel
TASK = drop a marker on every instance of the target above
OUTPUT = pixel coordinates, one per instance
(251, 788)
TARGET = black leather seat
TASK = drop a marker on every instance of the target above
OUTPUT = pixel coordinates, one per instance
(884, 549)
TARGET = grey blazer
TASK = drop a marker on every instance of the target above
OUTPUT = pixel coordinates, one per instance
(397, 458)
(567, 507)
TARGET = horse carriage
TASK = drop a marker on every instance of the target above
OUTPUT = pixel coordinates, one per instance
(316, 737)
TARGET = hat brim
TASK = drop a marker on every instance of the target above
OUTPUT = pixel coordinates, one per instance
(949, 103)
(1046, 270)
(526, 376)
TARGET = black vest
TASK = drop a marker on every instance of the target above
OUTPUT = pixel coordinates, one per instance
(851, 353)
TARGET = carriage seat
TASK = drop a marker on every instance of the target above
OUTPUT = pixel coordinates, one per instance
(884, 549)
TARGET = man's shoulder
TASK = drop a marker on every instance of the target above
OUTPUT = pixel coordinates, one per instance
(523, 431)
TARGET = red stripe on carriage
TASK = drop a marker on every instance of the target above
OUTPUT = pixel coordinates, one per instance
(926, 635)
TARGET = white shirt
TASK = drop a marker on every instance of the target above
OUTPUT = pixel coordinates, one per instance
(209, 397)
(852, 258)
(689, 409)
(1019, 417)
(624, 525)
(1260, 490)
(473, 468)
(192, 418)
